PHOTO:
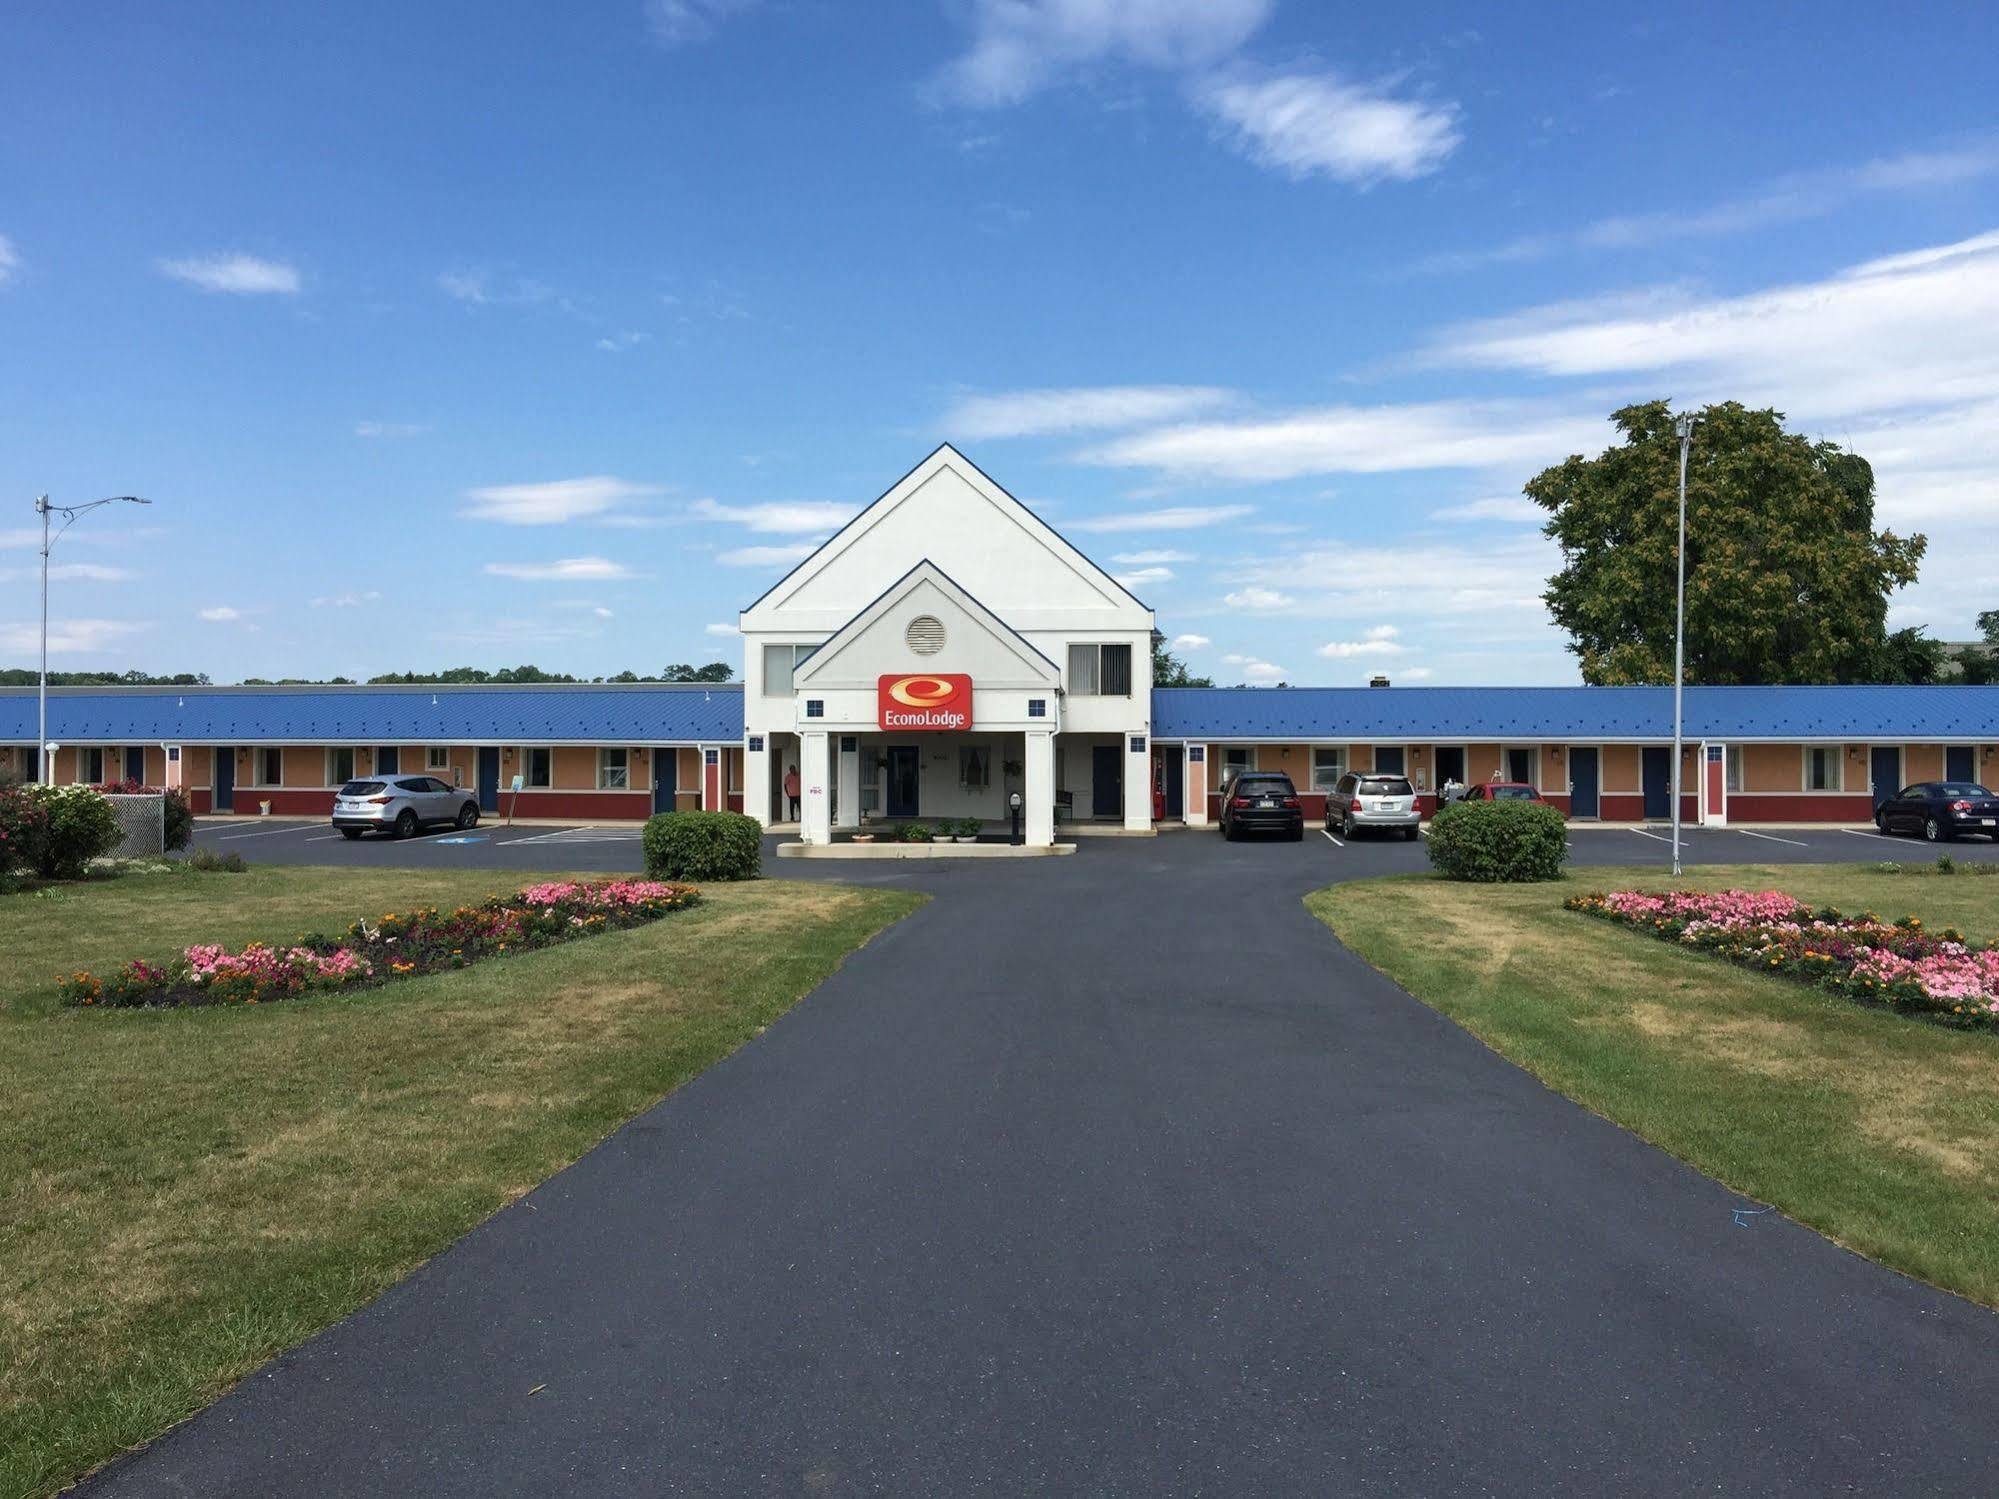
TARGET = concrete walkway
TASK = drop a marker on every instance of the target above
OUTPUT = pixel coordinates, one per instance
(1116, 1174)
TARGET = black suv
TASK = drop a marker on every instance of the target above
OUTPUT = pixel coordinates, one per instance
(1261, 801)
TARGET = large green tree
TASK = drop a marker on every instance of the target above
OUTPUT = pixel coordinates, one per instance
(1168, 670)
(1787, 579)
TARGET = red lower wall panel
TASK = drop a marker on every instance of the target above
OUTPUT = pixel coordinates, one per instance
(284, 803)
(735, 801)
(579, 806)
(1842, 807)
(199, 800)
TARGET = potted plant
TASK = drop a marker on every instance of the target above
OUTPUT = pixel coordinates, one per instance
(914, 832)
(965, 830)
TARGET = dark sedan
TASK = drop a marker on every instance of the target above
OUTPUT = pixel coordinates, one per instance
(1262, 801)
(1940, 811)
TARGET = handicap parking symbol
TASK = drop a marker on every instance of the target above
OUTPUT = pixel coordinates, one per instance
(470, 838)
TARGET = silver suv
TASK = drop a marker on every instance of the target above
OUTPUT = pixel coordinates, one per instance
(402, 805)
(1381, 801)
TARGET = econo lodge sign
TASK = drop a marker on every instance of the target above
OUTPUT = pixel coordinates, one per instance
(915, 704)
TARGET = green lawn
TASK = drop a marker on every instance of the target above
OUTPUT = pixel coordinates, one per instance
(184, 1194)
(1879, 1131)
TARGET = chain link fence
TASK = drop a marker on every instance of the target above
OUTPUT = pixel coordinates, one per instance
(143, 820)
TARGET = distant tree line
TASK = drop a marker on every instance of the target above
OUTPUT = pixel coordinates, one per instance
(680, 671)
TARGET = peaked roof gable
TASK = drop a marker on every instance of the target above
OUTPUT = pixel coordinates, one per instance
(872, 641)
(948, 510)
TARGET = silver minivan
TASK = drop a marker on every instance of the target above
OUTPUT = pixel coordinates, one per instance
(1381, 801)
(402, 805)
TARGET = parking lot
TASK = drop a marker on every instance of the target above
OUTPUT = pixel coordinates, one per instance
(616, 848)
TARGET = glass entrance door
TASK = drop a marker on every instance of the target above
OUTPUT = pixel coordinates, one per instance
(901, 781)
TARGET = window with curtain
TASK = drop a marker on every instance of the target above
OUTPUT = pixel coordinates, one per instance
(1097, 670)
(1733, 767)
(614, 769)
(339, 766)
(975, 766)
(270, 766)
(1329, 763)
(1822, 767)
(780, 662)
(538, 768)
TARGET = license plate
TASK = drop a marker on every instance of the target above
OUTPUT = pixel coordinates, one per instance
(1265, 801)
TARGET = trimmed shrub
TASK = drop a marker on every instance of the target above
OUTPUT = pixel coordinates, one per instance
(180, 820)
(703, 846)
(82, 826)
(1499, 842)
(914, 832)
(24, 830)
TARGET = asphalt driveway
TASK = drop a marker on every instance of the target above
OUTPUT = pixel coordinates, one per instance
(1116, 1174)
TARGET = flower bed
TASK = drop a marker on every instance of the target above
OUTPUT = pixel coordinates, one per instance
(397, 945)
(1901, 963)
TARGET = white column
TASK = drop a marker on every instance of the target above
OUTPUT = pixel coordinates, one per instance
(757, 778)
(1137, 782)
(1195, 796)
(815, 774)
(1038, 789)
(850, 783)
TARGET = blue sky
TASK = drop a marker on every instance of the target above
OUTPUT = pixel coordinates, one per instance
(484, 334)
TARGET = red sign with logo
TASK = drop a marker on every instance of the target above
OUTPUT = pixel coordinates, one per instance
(924, 704)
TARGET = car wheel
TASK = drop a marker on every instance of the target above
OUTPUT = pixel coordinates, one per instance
(406, 824)
(350, 834)
(1935, 831)
(1881, 822)
(468, 815)
(1297, 834)
(1409, 835)
(1346, 825)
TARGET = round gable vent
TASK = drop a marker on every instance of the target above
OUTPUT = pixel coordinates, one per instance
(925, 635)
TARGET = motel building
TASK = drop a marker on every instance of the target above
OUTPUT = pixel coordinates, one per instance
(947, 651)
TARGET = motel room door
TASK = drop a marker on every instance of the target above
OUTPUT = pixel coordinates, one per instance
(1582, 782)
(1106, 780)
(223, 758)
(1656, 773)
(901, 800)
(1885, 766)
(1169, 779)
(1960, 763)
(489, 778)
(665, 766)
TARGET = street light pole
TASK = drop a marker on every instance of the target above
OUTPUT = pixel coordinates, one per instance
(69, 512)
(1683, 426)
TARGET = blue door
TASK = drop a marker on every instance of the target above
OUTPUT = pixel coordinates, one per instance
(1886, 768)
(489, 778)
(1657, 775)
(1106, 781)
(1582, 783)
(1960, 763)
(665, 765)
(135, 763)
(1176, 781)
(388, 760)
(225, 778)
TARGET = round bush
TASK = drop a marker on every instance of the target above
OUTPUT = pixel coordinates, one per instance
(703, 846)
(180, 819)
(82, 826)
(1499, 842)
(24, 829)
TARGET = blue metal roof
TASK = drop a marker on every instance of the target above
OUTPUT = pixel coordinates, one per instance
(1430, 714)
(652, 714)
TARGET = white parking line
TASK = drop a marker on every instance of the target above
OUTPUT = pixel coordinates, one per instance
(264, 833)
(1331, 839)
(1863, 833)
(1653, 836)
(1771, 838)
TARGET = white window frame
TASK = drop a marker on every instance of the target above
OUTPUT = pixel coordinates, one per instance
(799, 651)
(1094, 686)
(353, 755)
(1402, 771)
(83, 754)
(1533, 752)
(436, 757)
(257, 766)
(1732, 771)
(985, 753)
(1838, 754)
(614, 777)
(527, 753)
(1320, 781)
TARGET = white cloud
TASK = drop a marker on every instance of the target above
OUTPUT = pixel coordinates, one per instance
(563, 570)
(1021, 46)
(345, 600)
(1315, 124)
(221, 614)
(482, 288)
(1361, 439)
(1034, 413)
(70, 637)
(769, 556)
(1172, 518)
(1141, 577)
(778, 516)
(1256, 596)
(729, 631)
(10, 260)
(390, 429)
(1191, 642)
(1497, 507)
(1256, 670)
(1351, 582)
(1799, 196)
(241, 275)
(1379, 640)
(675, 23)
(1414, 673)
(1151, 557)
(552, 503)
(617, 343)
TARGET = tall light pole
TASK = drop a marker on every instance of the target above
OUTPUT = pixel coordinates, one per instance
(69, 513)
(1683, 427)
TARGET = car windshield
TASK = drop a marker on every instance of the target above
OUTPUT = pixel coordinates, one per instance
(1962, 790)
(1263, 785)
(1510, 794)
(359, 788)
(1386, 786)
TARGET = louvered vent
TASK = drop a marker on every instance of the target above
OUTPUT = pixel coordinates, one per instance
(925, 635)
